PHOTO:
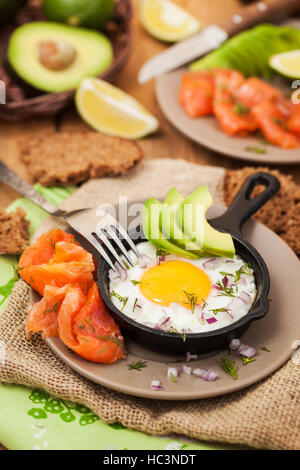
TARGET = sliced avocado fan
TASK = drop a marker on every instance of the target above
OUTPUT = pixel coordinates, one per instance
(179, 225)
(151, 226)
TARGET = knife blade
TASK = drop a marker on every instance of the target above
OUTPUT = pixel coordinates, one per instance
(208, 39)
(213, 36)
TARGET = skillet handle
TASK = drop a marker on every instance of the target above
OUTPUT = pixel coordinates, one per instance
(243, 207)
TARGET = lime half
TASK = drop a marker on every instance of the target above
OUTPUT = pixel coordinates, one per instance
(287, 63)
(110, 110)
(166, 21)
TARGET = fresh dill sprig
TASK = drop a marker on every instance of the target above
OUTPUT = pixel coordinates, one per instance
(217, 310)
(123, 300)
(174, 331)
(139, 365)
(192, 298)
(173, 377)
(225, 274)
(229, 366)
(135, 283)
(264, 348)
(53, 245)
(109, 337)
(255, 149)
(245, 269)
(246, 360)
(54, 308)
(102, 350)
(227, 291)
(240, 108)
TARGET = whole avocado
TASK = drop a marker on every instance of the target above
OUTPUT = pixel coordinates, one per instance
(8, 8)
(90, 14)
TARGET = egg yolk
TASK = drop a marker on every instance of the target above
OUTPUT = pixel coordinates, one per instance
(175, 281)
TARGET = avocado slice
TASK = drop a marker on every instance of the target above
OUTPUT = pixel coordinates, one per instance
(211, 240)
(169, 223)
(151, 226)
(81, 53)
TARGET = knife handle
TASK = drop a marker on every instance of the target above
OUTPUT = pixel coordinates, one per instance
(258, 12)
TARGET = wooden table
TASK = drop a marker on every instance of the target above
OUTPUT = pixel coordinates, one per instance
(168, 142)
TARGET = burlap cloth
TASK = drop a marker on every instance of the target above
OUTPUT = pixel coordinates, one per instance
(266, 415)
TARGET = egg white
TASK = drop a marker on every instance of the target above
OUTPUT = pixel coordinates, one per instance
(181, 319)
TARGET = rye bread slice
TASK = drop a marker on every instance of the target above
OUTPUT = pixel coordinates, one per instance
(282, 213)
(66, 158)
(14, 231)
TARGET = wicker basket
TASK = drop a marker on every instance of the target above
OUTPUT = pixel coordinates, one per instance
(19, 104)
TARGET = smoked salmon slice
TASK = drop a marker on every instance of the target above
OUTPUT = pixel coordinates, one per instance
(196, 93)
(233, 117)
(71, 307)
(293, 122)
(42, 316)
(253, 91)
(56, 260)
(86, 327)
(272, 122)
(242, 106)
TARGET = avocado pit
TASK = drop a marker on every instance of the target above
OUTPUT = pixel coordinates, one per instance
(56, 55)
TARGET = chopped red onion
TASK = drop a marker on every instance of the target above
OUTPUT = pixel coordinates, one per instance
(163, 324)
(138, 305)
(186, 370)
(243, 280)
(190, 357)
(211, 263)
(247, 351)
(211, 320)
(210, 375)
(146, 261)
(173, 372)
(229, 261)
(234, 345)
(225, 281)
(199, 372)
(162, 259)
(214, 286)
(156, 385)
(234, 307)
(245, 297)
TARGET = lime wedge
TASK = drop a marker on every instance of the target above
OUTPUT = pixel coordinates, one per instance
(166, 21)
(286, 63)
(110, 110)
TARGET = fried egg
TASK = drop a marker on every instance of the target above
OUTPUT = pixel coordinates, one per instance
(173, 293)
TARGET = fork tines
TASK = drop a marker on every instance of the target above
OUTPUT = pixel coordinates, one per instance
(115, 233)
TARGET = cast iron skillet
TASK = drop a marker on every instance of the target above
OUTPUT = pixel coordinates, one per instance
(231, 221)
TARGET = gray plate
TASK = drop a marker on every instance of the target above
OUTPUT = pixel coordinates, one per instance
(277, 330)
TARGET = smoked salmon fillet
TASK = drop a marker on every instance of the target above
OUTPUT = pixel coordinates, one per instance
(55, 259)
(241, 106)
(71, 307)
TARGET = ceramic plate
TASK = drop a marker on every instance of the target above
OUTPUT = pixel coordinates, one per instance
(277, 330)
(206, 131)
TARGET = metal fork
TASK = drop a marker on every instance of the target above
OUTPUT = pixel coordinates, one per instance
(89, 223)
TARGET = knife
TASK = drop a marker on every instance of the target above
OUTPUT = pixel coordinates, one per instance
(214, 35)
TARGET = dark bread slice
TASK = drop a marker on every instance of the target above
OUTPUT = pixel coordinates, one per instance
(65, 158)
(282, 213)
(14, 231)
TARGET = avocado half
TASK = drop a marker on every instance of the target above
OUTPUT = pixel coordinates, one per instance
(93, 55)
